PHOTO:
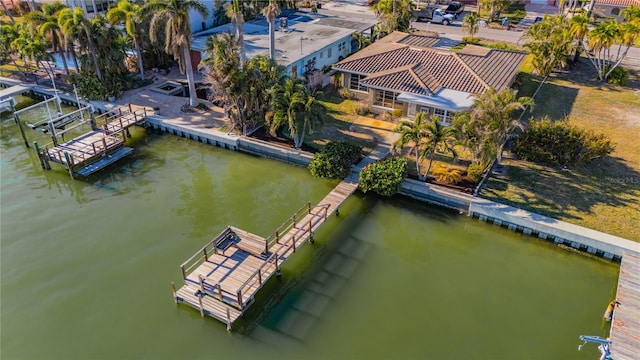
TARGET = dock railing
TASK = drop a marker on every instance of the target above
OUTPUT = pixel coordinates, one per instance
(202, 255)
(287, 244)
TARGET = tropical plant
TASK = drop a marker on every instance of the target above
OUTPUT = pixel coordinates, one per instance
(494, 6)
(486, 126)
(128, 13)
(31, 45)
(234, 12)
(76, 26)
(174, 14)
(8, 34)
(296, 107)
(578, 28)
(550, 42)
(46, 21)
(395, 15)
(270, 12)
(447, 175)
(335, 160)
(474, 172)
(384, 177)
(412, 133)
(439, 139)
(471, 24)
(561, 143)
(362, 39)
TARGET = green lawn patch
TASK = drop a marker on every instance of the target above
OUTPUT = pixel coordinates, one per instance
(605, 195)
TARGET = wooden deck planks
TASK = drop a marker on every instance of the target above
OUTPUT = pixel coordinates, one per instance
(625, 328)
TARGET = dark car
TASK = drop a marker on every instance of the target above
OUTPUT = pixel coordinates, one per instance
(455, 8)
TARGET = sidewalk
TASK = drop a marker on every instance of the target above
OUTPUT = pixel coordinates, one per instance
(534, 11)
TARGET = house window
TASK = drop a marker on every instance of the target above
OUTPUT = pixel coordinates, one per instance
(341, 46)
(615, 11)
(354, 82)
(386, 99)
(329, 52)
(445, 116)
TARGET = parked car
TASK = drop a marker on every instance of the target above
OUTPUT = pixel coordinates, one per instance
(455, 8)
(434, 15)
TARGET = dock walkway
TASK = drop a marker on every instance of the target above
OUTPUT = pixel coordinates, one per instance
(222, 278)
(625, 328)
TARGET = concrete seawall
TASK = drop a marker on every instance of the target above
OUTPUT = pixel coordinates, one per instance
(437, 195)
(562, 233)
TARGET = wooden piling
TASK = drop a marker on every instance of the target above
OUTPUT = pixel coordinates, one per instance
(293, 237)
(173, 288)
(228, 320)
(24, 136)
(293, 219)
(201, 284)
(206, 256)
(184, 274)
(259, 277)
(201, 306)
(69, 163)
(277, 237)
(40, 156)
(309, 206)
(240, 298)
(326, 212)
(220, 291)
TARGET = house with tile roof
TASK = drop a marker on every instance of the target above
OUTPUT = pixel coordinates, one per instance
(613, 7)
(409, 72)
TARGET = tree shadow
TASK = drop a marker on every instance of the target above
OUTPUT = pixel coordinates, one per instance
(565, 194)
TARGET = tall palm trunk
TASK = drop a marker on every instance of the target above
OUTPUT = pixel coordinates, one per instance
(140, 65)
(272, 39)
(193, 99)
(6, 11)
(426, 173)
(92, 49)
(56, 45)
(415, 149)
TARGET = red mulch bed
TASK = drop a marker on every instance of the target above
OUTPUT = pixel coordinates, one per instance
(280, 139)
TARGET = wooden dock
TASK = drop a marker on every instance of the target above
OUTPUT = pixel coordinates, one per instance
(96, 149)
(625, 327)
(222, 278)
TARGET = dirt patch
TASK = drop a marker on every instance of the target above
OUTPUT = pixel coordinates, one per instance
(280, 139)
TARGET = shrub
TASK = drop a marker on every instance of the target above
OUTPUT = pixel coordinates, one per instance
(396, 113)
(89, 87)
(618, 76)
(335, 160)
(384, 177)
(561, 143)
(447, 175)
(474, 172)
(470, 40)
(363, 109)
(346, 94)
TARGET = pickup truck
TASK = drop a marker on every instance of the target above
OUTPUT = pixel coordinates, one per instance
(435, 15)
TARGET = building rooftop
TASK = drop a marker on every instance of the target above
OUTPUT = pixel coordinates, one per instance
(408, 63)
(304, 35)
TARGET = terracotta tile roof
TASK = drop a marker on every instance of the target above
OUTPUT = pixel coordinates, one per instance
(419, 41)
(401, 67)
(618, 2)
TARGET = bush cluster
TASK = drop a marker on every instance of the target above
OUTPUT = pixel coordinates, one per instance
(560, 143)
(384, 177)
(618, 76)
(474, 172)
(335, 160)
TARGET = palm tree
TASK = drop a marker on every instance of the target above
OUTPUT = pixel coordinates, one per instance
(412, 132)
(362, 39)
(128, 13)
(578, 28)
(174, 15)
(270, 12)
(234, 12)
(46, 21)
(491, 120)
(471, 24)
(294, 105)
(75, 25)
(439, 139)
(550, 42)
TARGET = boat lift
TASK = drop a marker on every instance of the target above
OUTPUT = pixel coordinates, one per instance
(605, 352)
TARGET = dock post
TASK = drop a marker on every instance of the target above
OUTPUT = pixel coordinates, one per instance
(24, 137)
(309, 206)
(228, 320)
(310, 233)
(173, 287)
(293, 237)
(67, 157)
(259, 277)
(293, 219)
(206, 256)
(278, 273)
(104, 142)
(266, 246)
(201, 306)
(240, 298)
(201, 284)
(220, 291)
(277, 237)
(40, 156)
(326, 212)
(93, 121)
(184, 275)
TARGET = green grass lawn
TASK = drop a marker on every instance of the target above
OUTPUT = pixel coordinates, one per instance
(604, 195)
(515, 12)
